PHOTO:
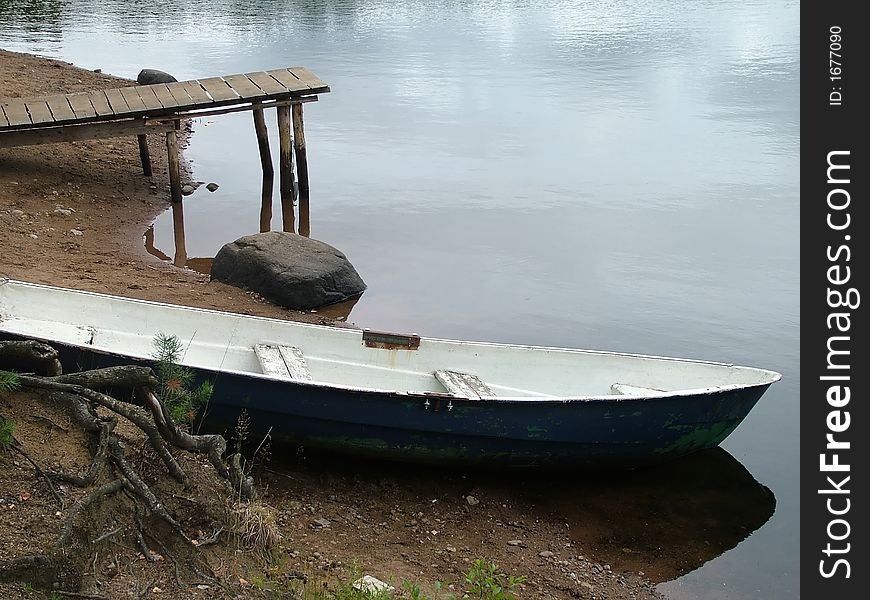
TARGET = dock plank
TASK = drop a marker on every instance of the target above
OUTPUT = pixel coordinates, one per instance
(39, 112)
(195, 91)
(100, 103)
(60, 108)
(81, 105)
(289, 80)
(218, 89)
(163, 95)
(16, 113)
(117, 102)
(243, 86)
(265, 82)
(149, 98)
(310, 79)
(181, 96)
(134, 102)
(160, 100)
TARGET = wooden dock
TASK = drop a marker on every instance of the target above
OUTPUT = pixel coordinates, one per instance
(159, 108)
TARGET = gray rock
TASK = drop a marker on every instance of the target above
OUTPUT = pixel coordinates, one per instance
(187, 190)
(288, 269)
(472, 501)
(212, 186)
(149, 76)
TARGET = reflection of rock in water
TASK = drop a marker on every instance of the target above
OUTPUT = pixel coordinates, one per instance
(665, 521)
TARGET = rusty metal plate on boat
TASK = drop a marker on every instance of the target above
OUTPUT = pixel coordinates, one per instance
(390, 341)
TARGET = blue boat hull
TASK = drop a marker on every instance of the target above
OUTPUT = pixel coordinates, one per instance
(599, 433)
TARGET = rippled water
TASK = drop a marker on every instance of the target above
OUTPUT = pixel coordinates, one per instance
(594, 173)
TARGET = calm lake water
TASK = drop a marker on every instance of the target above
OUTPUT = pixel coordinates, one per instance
(591, 173)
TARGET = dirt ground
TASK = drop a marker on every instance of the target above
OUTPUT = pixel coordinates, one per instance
(74, 215)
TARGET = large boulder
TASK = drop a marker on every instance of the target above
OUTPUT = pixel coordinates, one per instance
(149, 76)
(288, 269)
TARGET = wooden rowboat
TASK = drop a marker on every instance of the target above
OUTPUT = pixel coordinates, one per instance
(405, 396)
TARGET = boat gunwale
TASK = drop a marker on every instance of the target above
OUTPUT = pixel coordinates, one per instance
(770, 376)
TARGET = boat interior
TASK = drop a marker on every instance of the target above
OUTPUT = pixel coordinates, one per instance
(351, 358)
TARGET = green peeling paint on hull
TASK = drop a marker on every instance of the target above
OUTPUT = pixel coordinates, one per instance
(700, 437)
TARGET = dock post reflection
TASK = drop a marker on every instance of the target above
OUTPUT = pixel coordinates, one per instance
(266, 205)
(178, 234)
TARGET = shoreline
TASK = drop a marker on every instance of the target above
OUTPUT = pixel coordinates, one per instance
(75, 214)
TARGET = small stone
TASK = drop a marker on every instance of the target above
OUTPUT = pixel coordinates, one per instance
(516, 543)
(76, 232)
(63, 211)
(187, 190)
(472, 501)
(372, 585)
(202, 586)
(212, 186)
(545, 554)
(321, 523)
(111, 569)
(33, 236)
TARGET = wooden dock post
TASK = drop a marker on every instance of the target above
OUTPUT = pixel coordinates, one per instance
(263, 140)
(144, 155)
(286, 170)
(302, 165)
(174, 167)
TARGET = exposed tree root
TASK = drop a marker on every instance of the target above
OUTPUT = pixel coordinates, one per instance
(83, 393)
(29, 355)
(104, 490)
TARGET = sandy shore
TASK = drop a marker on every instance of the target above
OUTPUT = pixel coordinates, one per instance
(74, 215)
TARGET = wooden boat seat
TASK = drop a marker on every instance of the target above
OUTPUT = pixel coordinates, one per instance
(464, 385)
(634, 390)
(283, 361)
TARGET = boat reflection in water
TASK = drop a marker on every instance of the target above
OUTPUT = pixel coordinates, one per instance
(665, 521)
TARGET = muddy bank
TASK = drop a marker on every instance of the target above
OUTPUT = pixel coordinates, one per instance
(74, 215)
